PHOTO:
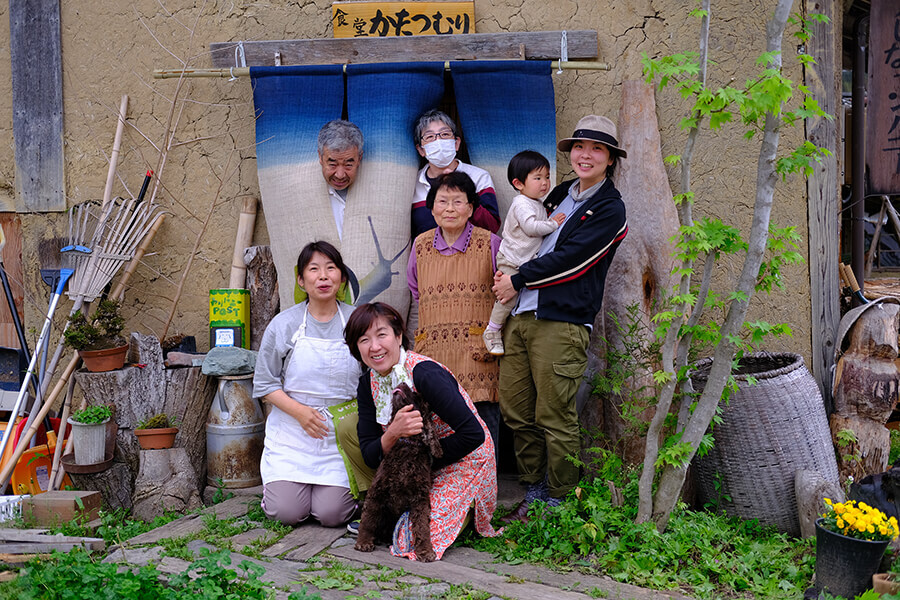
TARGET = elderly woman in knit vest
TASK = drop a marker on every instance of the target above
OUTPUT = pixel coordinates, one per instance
(450, 274)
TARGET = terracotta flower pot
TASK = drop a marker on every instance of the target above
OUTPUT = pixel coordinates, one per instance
(884, 583)
(108, 359)
(156, 439)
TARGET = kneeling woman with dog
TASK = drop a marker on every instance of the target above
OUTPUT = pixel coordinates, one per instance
(466, 473)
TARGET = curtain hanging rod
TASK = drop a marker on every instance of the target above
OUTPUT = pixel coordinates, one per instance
(235, 72)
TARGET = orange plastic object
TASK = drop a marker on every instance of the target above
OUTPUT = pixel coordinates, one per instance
(11, 446)
(32, 472)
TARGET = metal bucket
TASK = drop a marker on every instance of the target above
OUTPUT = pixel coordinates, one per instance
(235, 431)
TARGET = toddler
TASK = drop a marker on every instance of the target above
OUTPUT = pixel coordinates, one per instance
(525, 227)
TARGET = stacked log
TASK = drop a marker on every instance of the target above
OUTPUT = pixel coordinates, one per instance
(866, 385)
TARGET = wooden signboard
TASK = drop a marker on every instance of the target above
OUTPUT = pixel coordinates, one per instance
(883, 112)
(394, 19)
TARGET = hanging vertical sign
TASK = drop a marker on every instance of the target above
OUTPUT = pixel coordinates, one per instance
(883, 110)
(395, 19)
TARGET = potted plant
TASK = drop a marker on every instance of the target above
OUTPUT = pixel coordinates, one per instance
(89, 434)
(850, 540)
(156, 432)
(888, 583)
(98, 341)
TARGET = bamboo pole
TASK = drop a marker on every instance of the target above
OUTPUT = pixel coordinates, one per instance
(243, 239)
(26, 437)
(117, 145)
(117, 294)
(233, 72)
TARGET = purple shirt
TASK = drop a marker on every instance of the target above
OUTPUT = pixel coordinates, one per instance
(460, 245)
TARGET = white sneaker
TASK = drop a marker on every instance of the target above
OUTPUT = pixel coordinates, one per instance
(493, 341)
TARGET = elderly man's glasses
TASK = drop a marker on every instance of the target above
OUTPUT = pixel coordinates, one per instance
(429, 137)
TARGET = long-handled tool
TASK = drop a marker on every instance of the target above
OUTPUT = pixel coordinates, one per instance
(17, 321)
(64, 275)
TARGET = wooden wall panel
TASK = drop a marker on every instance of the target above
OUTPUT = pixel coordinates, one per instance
(12, 262)
(37, 105)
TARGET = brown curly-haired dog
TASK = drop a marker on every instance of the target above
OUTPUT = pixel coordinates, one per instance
(403, 483)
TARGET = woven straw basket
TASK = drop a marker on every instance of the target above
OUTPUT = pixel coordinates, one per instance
(770, 430)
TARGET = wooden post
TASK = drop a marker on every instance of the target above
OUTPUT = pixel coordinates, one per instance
(823, 198)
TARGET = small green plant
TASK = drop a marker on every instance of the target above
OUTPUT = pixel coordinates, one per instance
(895, 446)
(338, 577)
(92, 415)
(157, 421)
(220, 495)
(102, 331)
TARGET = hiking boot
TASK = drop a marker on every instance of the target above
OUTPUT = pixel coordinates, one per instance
(493, 341)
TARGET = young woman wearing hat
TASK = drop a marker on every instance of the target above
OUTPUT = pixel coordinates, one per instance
(560, 293)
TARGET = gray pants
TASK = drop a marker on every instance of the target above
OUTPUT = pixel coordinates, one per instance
(291, 503)
(501, 311)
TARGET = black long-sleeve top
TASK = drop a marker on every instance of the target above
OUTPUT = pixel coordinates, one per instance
(440, 389)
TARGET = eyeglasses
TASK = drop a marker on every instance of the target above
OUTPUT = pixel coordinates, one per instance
(429, 137)
(457, 204)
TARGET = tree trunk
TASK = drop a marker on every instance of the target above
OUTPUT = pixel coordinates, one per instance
(641, 272)
(138, 392)
(262, 281)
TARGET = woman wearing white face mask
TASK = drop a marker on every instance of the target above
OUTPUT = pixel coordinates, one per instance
(438, 141)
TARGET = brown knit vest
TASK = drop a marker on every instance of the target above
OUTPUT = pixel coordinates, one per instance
(455, 301)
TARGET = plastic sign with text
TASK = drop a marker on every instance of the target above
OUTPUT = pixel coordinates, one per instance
(394, 19)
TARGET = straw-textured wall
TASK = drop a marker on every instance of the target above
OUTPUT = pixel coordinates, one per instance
(110, 49)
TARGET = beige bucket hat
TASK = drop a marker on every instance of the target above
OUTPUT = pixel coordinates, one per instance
(596, 128)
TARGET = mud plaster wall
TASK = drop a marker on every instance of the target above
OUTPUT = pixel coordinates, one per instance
(110, 49)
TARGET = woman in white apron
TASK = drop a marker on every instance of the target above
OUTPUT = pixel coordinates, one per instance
(303, 368)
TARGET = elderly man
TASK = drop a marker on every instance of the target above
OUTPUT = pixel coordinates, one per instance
(340, 152)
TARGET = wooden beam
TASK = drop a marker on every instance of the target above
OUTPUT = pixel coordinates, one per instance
(37, 105)
(823, 197)
(538, 45)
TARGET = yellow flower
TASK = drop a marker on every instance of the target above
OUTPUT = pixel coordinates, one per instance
(840, 523)
(839, 508)
(827, 501)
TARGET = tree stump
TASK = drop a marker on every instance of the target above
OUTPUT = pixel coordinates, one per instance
(139, 390)
(166, 482)
(866, 384)
(262, 281)
(641, 270)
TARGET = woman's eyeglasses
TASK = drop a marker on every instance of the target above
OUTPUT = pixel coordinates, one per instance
(429, 137)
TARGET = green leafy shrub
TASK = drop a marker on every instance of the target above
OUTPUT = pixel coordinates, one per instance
(706, 555)
(102, 331)
(92, 415)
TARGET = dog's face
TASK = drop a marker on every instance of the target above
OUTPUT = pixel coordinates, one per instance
(404, 396)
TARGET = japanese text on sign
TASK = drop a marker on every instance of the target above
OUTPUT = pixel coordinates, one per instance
(395, 19)
(883, 118)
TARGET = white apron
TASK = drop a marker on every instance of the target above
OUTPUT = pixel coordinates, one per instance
(321, 373)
